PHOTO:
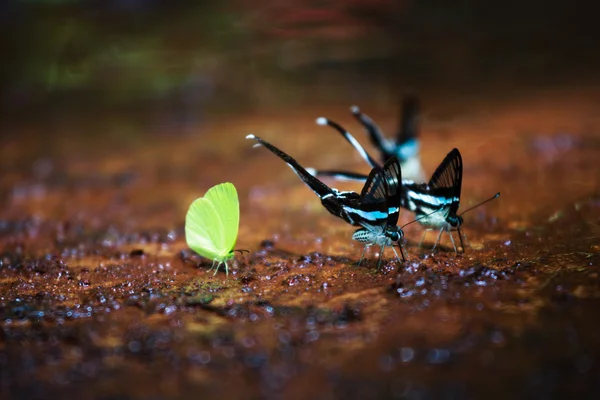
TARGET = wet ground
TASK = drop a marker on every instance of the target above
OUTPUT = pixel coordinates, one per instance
(101, 299)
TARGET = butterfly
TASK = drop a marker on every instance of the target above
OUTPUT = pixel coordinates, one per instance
(441, 193)
(381, 191)
(375, 210)
(212, 223)
(435, 203)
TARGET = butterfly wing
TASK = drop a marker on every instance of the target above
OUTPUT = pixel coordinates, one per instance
(373, 192)
(380, 197)
(203, 230)
(393, 183)
(409, 122)
(211, 224)
(224, 199)
(446, 181)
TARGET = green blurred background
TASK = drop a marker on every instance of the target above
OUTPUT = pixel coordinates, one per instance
(172, 63)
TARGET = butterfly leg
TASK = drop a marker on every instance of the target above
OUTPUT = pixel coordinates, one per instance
(423, 238)
(438, 239)
(216, 268)
(381, 249)
(460, 235)
(212, 266)
(452, 240)
(401, 252)
(362, 256)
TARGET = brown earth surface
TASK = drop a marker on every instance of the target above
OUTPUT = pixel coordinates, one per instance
(100, 298)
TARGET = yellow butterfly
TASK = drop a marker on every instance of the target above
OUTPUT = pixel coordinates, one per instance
(212, 223)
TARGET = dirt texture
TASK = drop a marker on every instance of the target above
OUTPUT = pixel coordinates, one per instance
(100, 298)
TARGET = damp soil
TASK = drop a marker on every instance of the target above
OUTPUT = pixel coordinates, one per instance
(100, 298)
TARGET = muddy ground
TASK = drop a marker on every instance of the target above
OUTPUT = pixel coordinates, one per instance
(100, 298)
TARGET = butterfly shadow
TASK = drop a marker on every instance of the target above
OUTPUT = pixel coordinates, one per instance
(265, 255)
(274, 257)
(426, 250)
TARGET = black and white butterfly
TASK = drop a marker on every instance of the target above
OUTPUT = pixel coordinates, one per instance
(375, 210)
(381, 191)
(435, 203)
(442, 194)
(405, 146)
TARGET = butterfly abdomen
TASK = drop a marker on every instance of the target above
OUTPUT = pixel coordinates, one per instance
(380, 238)
(364, 236)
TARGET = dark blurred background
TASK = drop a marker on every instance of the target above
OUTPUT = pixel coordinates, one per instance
(172, 63)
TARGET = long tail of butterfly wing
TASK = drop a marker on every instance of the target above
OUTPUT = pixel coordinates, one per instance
(406, 144)
(409, 121)
(330, 198)
(375, 134)
(315, 184)
(350, 139)
(344, 175)
(407, 133)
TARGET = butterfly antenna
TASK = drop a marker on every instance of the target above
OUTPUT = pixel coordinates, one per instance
(480, 204)
(363, 153)
(418, 219)
(242, 251)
